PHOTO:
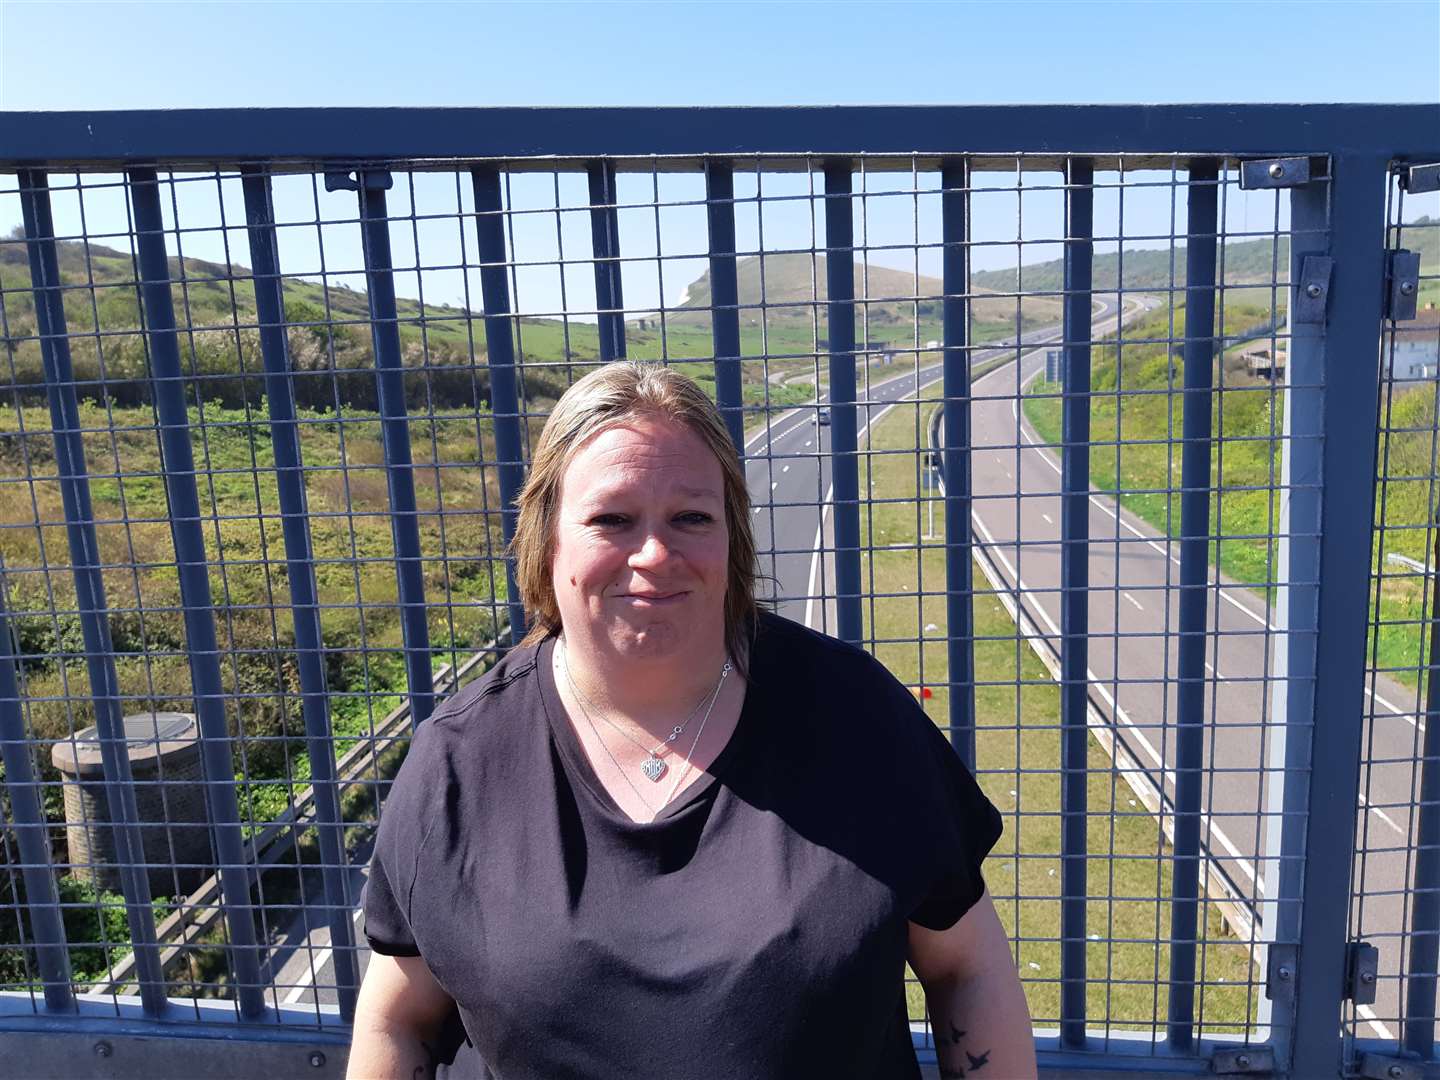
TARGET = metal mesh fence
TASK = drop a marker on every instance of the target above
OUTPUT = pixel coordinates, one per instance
(1089, 359)
(1394, 905)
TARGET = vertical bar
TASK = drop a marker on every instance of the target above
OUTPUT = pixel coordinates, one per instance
(1199, 357)
(193, 569)
(500, 358)
(1293, 664)
(1355, 199)
(955, 454)
(42, 900)
(1075, 594)
(844, 444)
(1425, 913)
(300, 572)
(605, 241)
(90, 585)
(395, 433)
(725, 297)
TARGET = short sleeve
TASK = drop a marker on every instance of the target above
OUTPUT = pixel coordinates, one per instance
(965, 827)
(385, 899)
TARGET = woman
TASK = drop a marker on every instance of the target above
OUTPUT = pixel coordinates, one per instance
(669, 835)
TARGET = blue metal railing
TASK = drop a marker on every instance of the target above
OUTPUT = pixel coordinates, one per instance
(1315, 601)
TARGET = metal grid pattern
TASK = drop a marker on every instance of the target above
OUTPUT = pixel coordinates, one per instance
(1022, 426)
(1394, 908)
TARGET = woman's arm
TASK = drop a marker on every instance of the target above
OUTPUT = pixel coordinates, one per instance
(977, 1007)
(397, 1016)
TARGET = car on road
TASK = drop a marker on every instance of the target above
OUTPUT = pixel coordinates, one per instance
(821, 417)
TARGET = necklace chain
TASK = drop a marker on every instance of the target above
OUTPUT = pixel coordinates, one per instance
(654, 752)
(581, 700)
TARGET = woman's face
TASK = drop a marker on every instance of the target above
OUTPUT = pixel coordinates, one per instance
(641, 542)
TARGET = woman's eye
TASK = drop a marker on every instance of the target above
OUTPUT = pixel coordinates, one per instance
(608, 519)
(696, 517)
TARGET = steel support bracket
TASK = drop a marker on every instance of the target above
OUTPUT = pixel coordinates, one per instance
(1283, 966)
(1285, 172)
(355, 179)
(1380, 1067)
(1362, 967)
(1313, 290)
(1402, 284)
(1417, 179)
(1243, 1059)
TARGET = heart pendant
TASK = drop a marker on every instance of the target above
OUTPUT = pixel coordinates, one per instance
(654, 768)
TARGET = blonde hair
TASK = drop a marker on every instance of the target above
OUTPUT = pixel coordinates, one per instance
(601, 399)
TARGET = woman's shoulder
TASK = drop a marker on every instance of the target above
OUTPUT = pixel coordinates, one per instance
(795, 656)
(508, 690)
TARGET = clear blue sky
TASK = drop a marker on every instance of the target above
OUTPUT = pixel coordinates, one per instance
(55, 54)
(61, 55)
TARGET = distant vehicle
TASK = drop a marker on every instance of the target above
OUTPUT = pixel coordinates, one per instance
(821, 417)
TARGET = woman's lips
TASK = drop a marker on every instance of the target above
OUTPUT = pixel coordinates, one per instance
(649, 599)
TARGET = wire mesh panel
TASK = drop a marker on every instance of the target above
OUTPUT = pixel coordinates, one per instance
(1394, 906)
(1029, 429)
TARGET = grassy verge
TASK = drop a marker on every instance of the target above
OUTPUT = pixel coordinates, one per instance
(1018, 751)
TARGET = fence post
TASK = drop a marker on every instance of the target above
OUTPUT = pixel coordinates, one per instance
(1341, 354)
(955, 455)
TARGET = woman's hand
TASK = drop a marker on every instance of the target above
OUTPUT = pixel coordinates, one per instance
(977, 1007)
(397, 1015)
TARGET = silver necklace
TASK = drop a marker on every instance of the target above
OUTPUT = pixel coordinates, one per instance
(675, 786)
(654, 766)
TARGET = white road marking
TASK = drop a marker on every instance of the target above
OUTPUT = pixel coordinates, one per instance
(1370, 1018)
(785, 469)
(1133, 601)
(1215, 671)
(1222, 590)
(317, 964)
(1117, 711)
(774, 484)
(1048, 519)
(1379, 813)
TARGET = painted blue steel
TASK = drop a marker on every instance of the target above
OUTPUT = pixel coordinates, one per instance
(42, 899)
(955, 455)
(193, 569)
(500, 360)
(1425, 898)
(395, 435)
(1296, 614)
(300, 573)
(90, 599)
(1197, 403)
(1355, 198)
(844, 463)
(725, 297)
(605, 245)
(578, 133)
(1075, 594)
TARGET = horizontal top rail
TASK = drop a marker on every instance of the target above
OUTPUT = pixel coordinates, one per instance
(209, 135)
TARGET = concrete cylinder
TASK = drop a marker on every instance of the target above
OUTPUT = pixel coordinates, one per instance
(164, 753)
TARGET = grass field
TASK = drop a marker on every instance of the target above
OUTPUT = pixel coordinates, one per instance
(1018, 756)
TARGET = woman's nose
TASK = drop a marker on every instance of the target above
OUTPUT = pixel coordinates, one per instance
(653, 549)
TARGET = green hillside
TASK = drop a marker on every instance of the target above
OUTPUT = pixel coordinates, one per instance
(785, 294)
(1246, 262)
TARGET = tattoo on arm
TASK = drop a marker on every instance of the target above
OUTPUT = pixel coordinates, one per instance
(426, 1071)
(954, 1071)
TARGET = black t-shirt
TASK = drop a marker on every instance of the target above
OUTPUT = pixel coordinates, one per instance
(756, 929)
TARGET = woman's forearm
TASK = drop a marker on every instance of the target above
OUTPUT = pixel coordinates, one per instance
(378, 1053)
(982, 1029)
